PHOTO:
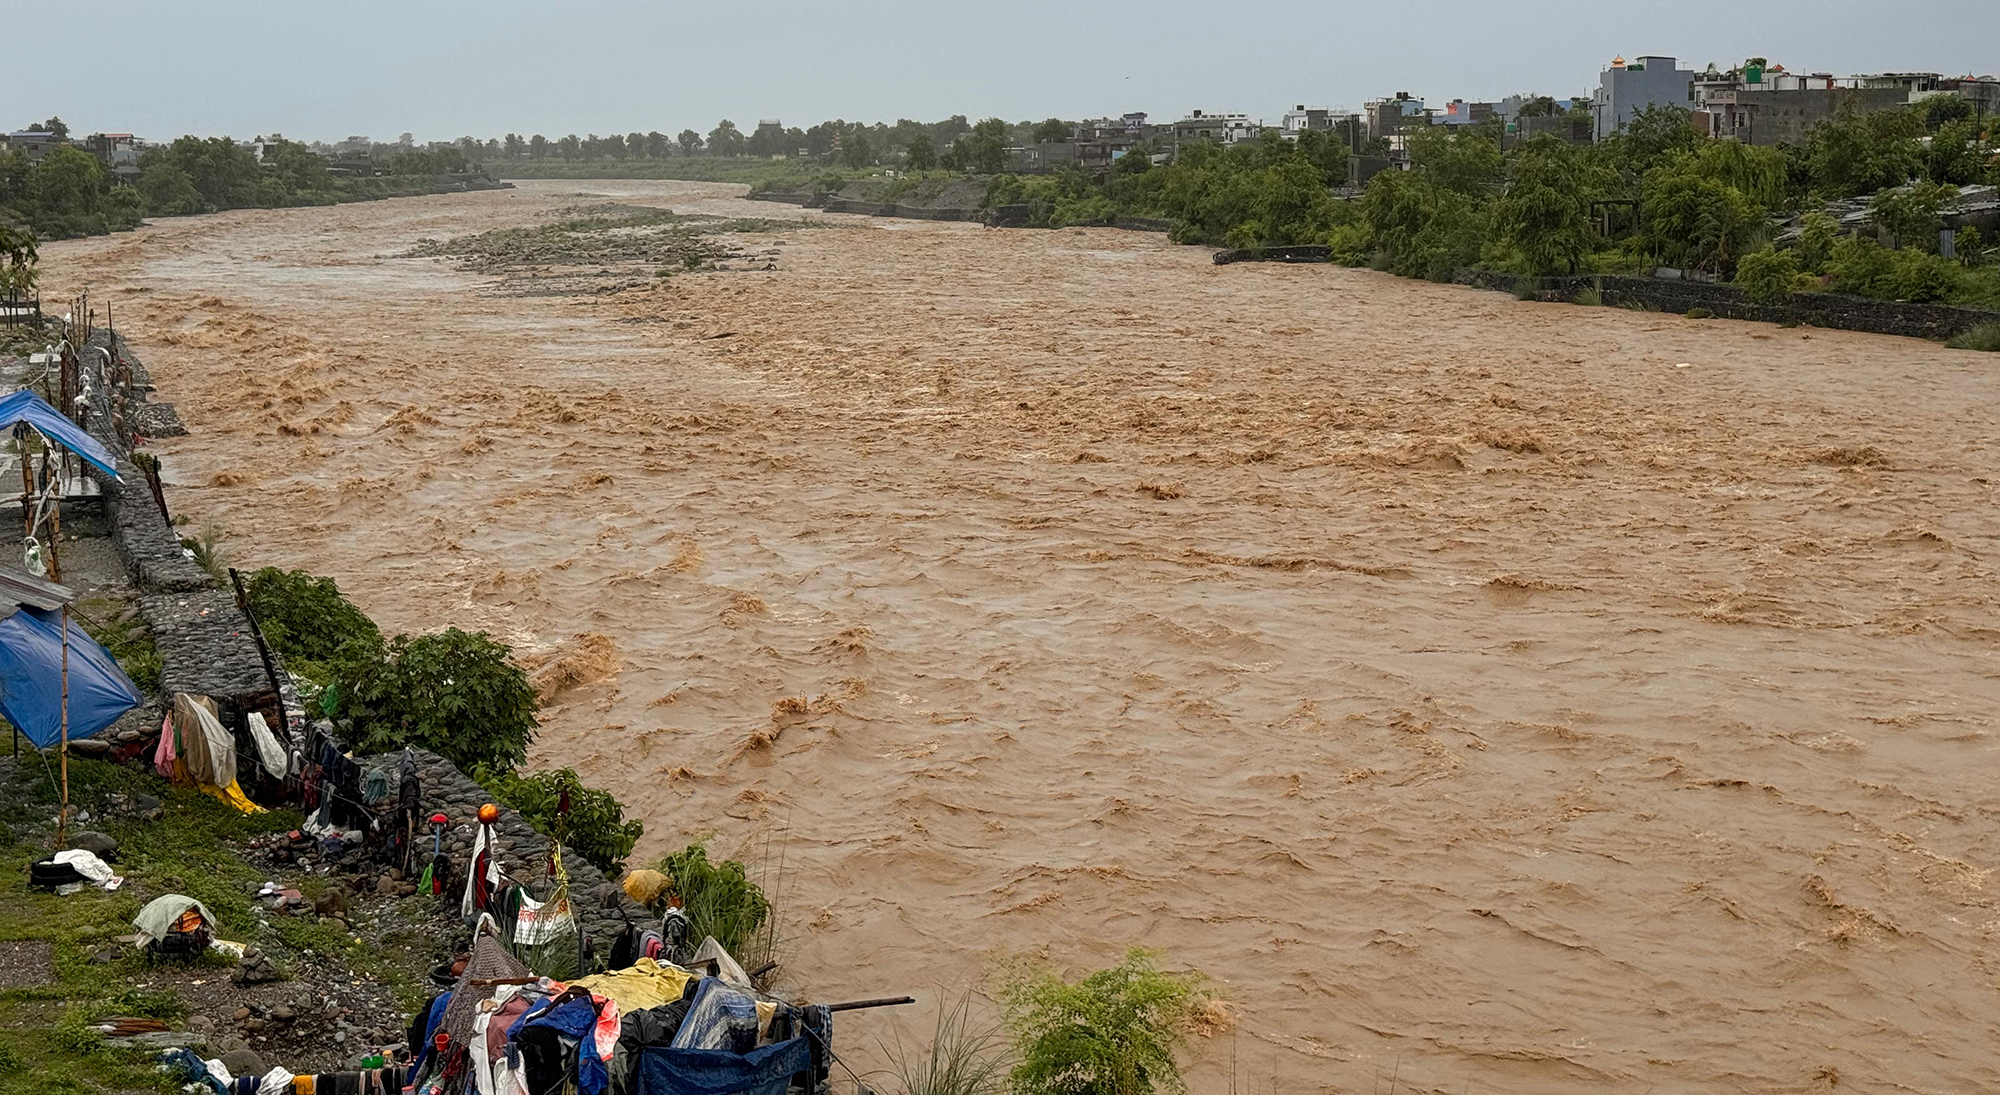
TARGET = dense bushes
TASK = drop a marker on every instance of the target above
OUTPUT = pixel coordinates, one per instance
(719, 899)
(67, 193)
(1113, 1033)
(452, 692)
(595, 824)
(1768, 276)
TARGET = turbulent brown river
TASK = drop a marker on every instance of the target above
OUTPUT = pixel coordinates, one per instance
(1490, 696)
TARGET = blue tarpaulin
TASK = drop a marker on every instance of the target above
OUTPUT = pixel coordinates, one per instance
(26, 406)
(762, 1071)
(31, 661)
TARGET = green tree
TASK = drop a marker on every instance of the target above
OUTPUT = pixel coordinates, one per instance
(538, 147)
(569, 147)
(1053, 130)
(855, 151)
(595, 825)
(1817, 235)
(1954, 155)
(1545, 213)
(54, 127)
(1696, 222)
(921, 154)
(306, 619)
(1852, 154)
(167, 190)
(68, 185)
(657, 145)
(18, 255)
(725, 139)
(690, 142)
(513, 146)
(986, 148)
(1767, 276)
(1913, 213)
(453, 693)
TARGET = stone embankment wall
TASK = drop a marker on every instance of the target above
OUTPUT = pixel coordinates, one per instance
(1005, 216)
(207, 648)
(1831, 310)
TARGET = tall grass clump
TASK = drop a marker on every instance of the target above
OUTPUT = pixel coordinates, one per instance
(1985, 337)
(719, 900)
(1115, 1032)
(963, 1057)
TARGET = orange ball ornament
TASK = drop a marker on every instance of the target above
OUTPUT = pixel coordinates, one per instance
(488, 814)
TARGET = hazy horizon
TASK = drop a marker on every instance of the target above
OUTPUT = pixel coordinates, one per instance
(615, 66)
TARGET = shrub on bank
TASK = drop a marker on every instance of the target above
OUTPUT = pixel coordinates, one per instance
(306, 618)
(719, 899)
(1985, 337)
(596, 827)
(1115, 1032)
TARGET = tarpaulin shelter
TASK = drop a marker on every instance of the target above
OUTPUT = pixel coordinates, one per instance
(31, 666)
(26, 406)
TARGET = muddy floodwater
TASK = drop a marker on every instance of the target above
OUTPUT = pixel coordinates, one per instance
(1490, 696)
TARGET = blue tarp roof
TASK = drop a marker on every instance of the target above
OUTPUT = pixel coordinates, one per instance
(31, 661)
(26, 406)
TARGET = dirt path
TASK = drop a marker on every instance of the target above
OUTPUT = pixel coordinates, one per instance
(1511, 697)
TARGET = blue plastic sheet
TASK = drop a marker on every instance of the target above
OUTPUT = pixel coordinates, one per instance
(26, 406)
(31, 660)
(765, 1071)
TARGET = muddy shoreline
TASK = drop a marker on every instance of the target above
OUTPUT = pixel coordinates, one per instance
(1513, 694)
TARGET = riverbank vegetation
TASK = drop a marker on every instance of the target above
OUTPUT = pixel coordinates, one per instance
(1702, 205)
(69, 192)
(458, 694)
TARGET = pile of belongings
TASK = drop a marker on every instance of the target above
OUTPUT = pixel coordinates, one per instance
(176, 926)
(653, 1028)
(70, 871)
(212, 1077)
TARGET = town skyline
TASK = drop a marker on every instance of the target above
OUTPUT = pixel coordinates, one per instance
(505, 71)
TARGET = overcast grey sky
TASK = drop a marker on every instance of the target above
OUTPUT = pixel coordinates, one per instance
(442, 68)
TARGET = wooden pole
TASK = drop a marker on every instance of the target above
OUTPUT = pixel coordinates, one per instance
(55, 510)
(62, 820)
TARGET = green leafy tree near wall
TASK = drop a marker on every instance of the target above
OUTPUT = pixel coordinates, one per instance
(452, 692)
(1546, 210)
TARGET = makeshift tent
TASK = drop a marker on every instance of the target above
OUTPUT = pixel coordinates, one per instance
(31, 678)
(26, 406)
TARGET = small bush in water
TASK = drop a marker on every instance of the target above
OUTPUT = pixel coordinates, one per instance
(1113, 1033)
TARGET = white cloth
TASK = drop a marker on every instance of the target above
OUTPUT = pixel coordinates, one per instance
(269, 752)
(275, 1082)
(540, 922)
(481, 844)
(86, 864)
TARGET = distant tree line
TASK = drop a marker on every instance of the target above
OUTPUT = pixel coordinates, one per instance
(69, 192)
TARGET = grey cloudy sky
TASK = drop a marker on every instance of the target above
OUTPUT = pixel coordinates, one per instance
(442, 68)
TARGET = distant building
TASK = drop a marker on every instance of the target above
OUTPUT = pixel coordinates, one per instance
(1770, 115)
(1305, 119)
(1460, 112)
(118, 152)
(1625, 89)
(1983, 92)
(1570, 127)
(1392, 120)
(33, 143)
(1223, 129)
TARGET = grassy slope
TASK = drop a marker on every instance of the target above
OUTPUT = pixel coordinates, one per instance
(44, 1046)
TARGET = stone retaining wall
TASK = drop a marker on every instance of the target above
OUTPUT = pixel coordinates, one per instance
(1831, 310)
(207, 648)
(601, 906)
